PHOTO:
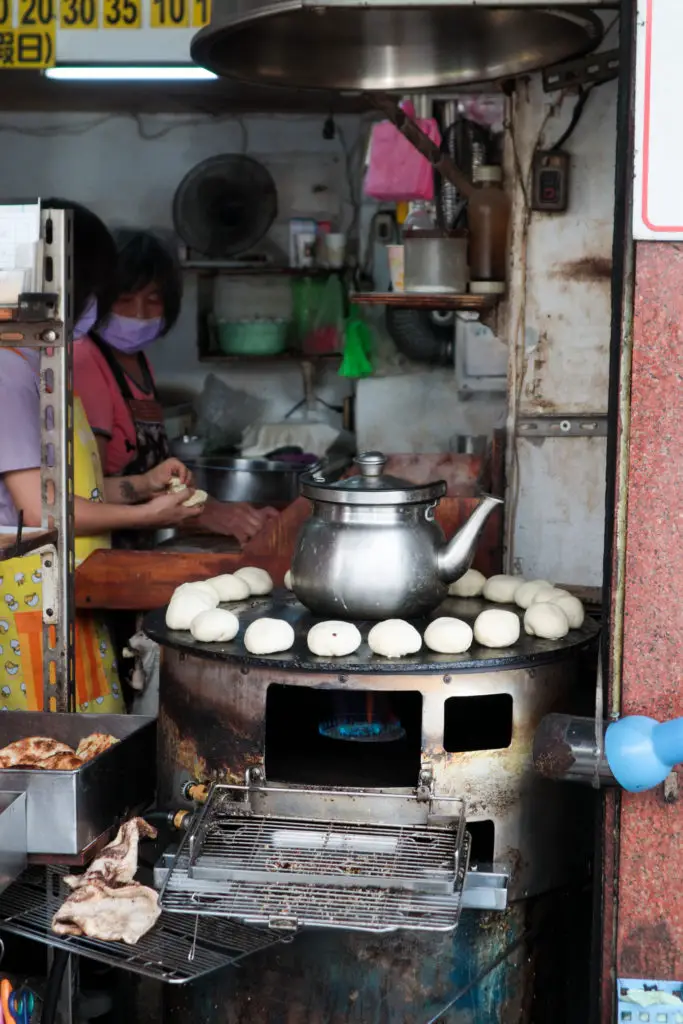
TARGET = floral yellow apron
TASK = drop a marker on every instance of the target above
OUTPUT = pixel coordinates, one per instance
(21, 626)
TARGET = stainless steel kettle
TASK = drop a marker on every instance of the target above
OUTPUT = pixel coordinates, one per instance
(371, 548)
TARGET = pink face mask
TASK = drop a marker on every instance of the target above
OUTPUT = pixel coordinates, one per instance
(128, 334)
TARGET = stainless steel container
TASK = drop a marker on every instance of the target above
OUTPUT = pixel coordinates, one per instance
(372, 549)
(68, 810)
(258, 481)
(12, 837)
(436, 262)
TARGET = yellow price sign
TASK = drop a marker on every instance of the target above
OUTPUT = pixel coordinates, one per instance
(201, 13)
(170, 14)
(28, 48)
(77, 14)
(6, 14)
(36, 13)
(122, 14)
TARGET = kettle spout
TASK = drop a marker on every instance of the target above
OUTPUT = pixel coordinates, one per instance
(456, 557)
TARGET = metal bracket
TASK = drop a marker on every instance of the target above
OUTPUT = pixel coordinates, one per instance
(255, 777)
(425, 783)
(562, 426)
(485, 890)
(592, 70)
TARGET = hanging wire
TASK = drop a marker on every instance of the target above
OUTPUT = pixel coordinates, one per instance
(483, 974)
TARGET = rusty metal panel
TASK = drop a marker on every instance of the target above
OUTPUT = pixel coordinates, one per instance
(559, 515)
(569, 263)
(212, 726)
(344, 978)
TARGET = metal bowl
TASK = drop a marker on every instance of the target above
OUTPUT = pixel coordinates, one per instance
(258, 481)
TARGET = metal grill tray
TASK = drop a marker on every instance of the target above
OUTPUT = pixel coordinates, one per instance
(177, 950)
(348, 855)
(527, 652)
(290, 872)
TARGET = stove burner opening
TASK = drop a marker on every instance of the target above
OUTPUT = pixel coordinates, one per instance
(343, 738)
(363, 718)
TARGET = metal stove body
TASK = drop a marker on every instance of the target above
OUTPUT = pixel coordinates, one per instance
(467, 727)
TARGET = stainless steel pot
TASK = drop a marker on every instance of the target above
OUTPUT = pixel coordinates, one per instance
(371, 548)
(435, 262)
(258, 481)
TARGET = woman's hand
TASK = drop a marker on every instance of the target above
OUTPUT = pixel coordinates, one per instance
(157, 480)
(235, 519)
(168, 510)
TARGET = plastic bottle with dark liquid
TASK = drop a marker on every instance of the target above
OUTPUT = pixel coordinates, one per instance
(488, 217)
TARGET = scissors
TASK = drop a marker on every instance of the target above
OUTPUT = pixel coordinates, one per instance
(16, 1005)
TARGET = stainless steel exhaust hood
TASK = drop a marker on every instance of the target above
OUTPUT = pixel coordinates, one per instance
(385, 45)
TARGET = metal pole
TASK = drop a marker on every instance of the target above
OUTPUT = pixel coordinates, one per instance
(56, 407)
(43, 320)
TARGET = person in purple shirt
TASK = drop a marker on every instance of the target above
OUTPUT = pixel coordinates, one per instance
(138, 502)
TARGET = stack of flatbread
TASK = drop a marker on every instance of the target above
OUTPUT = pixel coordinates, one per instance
(45, 752)
(106, 903)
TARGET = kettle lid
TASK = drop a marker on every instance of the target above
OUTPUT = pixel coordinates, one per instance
(371, 486)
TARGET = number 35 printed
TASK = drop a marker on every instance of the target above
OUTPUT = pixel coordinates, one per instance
(97, 14)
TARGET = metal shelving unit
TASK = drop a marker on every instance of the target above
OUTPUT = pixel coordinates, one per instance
(43, 320)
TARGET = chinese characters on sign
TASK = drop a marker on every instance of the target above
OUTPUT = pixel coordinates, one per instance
(29, 28)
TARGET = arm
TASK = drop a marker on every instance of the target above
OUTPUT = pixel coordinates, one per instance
(95, 517)
(24, 489)
(130, 490)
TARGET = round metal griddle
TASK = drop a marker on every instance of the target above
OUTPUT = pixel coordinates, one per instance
(376, 47)
(526, 653)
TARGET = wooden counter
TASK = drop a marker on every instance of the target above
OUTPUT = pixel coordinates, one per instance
(141, 580)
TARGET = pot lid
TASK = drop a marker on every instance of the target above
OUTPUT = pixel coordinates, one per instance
(371, 487)
(378, 45)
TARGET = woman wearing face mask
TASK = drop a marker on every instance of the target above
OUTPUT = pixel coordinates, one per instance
(99, 505)
(114, 376)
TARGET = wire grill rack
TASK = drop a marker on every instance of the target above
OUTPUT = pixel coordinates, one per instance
(177, 950)
(346, 854)
(289, 872)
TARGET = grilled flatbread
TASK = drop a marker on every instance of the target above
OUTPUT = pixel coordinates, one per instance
(105, 902)
(31, 752)
(109, 913)
(118, 862)
(94, 744)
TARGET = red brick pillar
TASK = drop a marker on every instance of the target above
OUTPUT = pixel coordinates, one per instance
(650, 872)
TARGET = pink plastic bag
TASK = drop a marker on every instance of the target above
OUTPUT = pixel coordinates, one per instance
(397, 172)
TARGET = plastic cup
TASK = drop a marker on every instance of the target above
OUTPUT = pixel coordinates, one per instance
(335, 249)
(396, 266)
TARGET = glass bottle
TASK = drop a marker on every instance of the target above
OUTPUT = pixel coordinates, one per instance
(488, 218)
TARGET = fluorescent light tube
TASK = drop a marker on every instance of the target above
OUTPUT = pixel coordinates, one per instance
(130, 73)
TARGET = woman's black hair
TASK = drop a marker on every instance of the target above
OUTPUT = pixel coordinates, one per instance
(94, 255)
(145, 259)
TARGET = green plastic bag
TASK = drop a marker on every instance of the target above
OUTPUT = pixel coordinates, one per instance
(357, 358)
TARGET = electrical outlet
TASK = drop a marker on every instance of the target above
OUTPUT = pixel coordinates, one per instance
(550, 182)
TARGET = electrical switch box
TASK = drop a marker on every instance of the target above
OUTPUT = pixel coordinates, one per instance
(550, 181)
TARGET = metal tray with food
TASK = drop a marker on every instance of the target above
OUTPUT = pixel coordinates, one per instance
(76, 790)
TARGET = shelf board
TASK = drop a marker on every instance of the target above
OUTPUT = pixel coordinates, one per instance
(281, 357)
(421, 300)
(258, 270)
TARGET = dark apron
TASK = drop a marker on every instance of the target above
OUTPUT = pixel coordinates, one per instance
(151, 443)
